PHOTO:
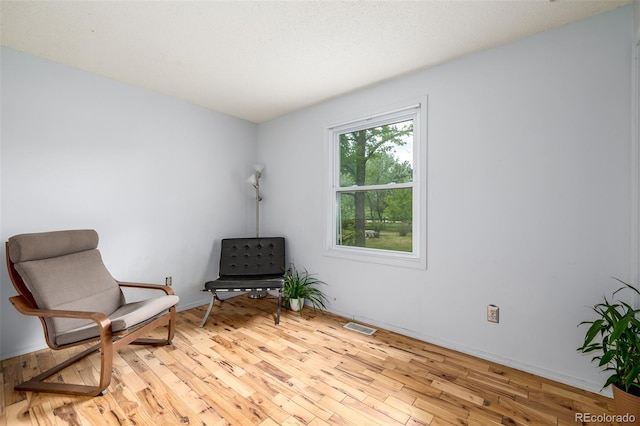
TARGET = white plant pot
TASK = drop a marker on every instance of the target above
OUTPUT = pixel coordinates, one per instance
(296, 304)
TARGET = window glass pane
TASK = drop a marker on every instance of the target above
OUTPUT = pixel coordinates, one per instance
(379, 219)
(378, 155)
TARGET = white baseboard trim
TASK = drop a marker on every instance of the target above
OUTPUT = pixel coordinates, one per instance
(539, 371)
(470, 350)
(499, 359)
(28, 349)
(193, 304)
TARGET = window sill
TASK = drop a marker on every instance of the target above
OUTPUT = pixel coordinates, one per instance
(385, 257)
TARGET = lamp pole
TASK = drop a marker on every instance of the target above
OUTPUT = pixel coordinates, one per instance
(254, 180)
(258, 199)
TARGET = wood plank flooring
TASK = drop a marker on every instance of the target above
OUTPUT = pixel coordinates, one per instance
(242, 369)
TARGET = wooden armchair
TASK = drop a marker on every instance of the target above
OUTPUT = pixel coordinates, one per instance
(60, 278)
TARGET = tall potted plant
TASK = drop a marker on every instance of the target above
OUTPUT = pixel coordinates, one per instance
(300, 286)
(614, 339)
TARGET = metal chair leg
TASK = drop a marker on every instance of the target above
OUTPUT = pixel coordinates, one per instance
(279, 303)
(206, 316)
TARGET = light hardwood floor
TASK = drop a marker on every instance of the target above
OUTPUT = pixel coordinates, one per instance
(242, 369)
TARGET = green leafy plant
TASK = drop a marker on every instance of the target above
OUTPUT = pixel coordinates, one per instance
(615, 337)
(303, 285)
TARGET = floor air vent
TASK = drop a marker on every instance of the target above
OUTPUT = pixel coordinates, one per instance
(360, 328)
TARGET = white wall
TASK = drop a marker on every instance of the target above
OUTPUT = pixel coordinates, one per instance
(529, 183)
(636, 18)
(635, 119)
(160, 180)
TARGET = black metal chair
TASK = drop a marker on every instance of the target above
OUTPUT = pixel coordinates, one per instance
(249, 265)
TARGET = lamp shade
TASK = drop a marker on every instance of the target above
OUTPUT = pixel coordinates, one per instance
(251, 180)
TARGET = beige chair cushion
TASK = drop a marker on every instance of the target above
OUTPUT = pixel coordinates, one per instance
(125, 317)
(44, 245)
(75, 282)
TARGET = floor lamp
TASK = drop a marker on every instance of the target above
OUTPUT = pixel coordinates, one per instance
(254, 180)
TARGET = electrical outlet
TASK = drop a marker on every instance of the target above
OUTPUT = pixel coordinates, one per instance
(493, 313)
(168, 281)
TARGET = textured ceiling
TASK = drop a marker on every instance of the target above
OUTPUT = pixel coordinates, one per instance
(260, 59)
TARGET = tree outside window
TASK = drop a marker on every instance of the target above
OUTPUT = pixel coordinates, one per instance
(374, 191)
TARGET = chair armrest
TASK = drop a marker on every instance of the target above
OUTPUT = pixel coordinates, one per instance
(168, 290)
(24, 308)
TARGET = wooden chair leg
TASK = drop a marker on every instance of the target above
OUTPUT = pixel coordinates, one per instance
(37, 383)
(169, 321)
(106, 362)
(107, 348)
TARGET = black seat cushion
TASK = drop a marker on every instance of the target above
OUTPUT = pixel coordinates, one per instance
(242, 283)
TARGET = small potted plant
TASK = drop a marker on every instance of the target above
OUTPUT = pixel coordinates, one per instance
(614, 338)
(300, 286)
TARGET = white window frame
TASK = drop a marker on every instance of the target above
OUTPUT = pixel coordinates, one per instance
(417, 258)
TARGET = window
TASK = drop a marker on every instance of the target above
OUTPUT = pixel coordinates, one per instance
(377, 184)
